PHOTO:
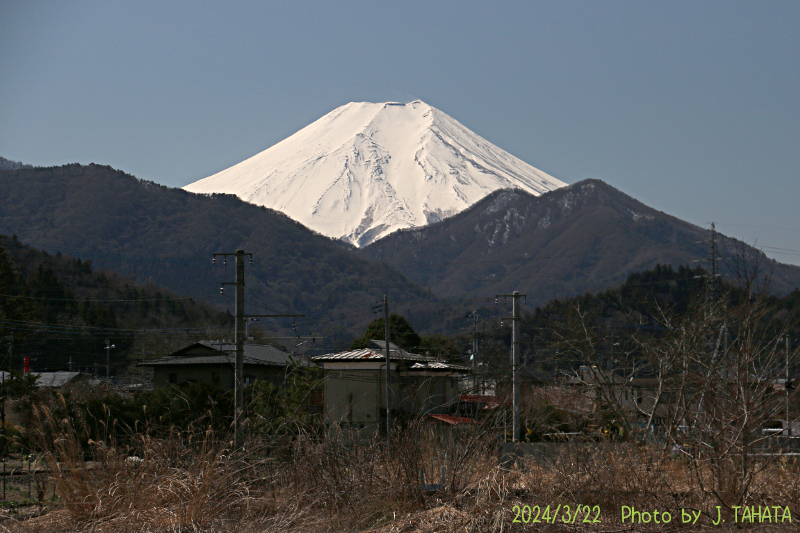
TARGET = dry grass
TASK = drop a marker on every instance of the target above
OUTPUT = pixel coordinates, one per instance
(190, 482)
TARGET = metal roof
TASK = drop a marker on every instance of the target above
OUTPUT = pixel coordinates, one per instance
(377, 352)
(54, 379)
(438, 365)
(371, 354)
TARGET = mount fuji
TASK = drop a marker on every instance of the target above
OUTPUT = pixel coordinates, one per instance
(365, 170)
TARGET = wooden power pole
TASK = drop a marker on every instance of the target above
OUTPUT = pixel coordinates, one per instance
(388, 368)
(239, 338)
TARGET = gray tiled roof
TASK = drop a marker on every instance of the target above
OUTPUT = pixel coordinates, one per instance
(225, 353)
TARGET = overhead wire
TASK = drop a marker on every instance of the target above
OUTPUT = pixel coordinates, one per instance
(114, 300)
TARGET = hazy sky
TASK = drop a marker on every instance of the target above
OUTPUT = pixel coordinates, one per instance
(690, 107)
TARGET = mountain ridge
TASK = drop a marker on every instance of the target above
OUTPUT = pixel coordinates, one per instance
(584, 237)
(154, 232)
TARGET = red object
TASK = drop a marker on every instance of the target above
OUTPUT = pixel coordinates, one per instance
(453, 420)
(27, 364)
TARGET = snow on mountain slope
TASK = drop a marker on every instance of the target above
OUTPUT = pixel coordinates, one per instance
(365, 170)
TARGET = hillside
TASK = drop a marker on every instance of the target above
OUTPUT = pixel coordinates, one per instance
(167, 236)
(584, 237)
(621, 320)
(55, 309)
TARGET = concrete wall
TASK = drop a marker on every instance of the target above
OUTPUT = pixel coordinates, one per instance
(353, 398)
(355, 402)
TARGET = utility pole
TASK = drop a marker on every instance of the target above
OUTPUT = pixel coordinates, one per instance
(485, 371)
(475, 362)
(786, 391)
(239, 332)
(108, 348)
(3, 410)
(388, 373)
(515, 366)
(239, 337)
(712, 275)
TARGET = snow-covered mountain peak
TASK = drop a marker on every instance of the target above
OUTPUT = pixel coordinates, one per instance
(366, 169)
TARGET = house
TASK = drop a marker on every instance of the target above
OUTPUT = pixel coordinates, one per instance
(213, 363)
(354, 394)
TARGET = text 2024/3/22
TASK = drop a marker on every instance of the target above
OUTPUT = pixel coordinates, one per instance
(591, 514)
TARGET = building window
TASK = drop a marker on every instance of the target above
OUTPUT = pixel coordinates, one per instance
(215, 378)
(173, 377)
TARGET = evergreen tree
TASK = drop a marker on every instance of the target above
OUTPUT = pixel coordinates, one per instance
(400, 331)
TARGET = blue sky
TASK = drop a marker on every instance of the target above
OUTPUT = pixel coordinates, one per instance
(690, 107)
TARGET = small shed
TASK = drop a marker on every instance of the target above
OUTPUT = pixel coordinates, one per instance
(355, 386)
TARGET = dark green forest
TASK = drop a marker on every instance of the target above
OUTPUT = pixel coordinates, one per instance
(615, 318)
(55, 308)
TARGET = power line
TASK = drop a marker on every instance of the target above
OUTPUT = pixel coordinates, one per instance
(119, 300)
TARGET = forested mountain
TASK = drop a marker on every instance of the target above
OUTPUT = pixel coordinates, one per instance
(615, 318)
(55, 309)
(584, 237)
(167, 236)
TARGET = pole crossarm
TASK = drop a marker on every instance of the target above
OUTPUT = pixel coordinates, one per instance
(295, 338)
(272, 316)
(225, 255)
(496, 296)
